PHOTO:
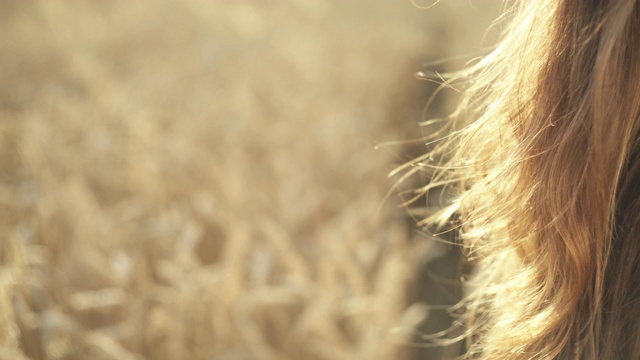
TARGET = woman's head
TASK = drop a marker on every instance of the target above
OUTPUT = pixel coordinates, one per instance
(548, 183)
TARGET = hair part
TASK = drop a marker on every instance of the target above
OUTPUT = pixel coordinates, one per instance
(547, 183)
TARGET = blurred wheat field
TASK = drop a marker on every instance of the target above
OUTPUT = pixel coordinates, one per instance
(198, 180)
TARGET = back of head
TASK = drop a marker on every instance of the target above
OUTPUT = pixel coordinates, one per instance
(548, 184)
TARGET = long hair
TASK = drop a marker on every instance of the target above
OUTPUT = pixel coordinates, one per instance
(547, 184)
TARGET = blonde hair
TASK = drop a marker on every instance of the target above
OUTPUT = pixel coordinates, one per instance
(547, 184)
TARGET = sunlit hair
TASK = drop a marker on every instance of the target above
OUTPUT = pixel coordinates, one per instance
(547, 184)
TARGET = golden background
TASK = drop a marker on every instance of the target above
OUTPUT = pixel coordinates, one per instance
(200, 180)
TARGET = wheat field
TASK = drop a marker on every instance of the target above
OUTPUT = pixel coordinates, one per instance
(200, 180)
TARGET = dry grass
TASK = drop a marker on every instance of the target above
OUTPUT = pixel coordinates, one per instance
(197, 179)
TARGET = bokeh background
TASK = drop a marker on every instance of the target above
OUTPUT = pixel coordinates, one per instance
(208, 179)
